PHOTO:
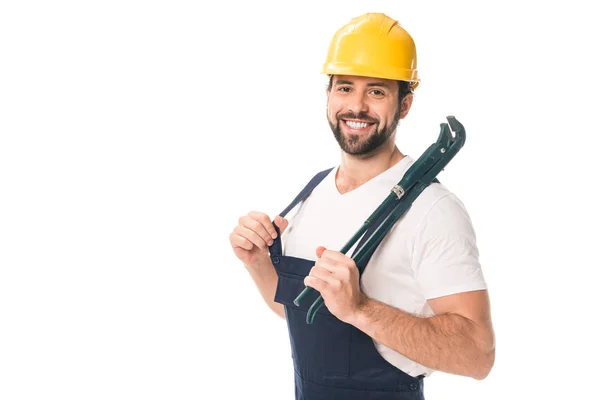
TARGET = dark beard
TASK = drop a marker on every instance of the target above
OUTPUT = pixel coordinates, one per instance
(352, 145)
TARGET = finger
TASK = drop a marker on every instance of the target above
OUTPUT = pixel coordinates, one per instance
(337, 257)
(318, 284)
(258, 227)
(240, 241)
(265, 221)
(281, 223)
(320, 251)
(251, 236)
(329, 265)
(339, 270)
(325, 275)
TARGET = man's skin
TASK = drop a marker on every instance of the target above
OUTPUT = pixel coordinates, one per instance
(459, 338)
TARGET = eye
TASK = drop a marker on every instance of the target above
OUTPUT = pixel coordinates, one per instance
(344, 89)
(377, 93)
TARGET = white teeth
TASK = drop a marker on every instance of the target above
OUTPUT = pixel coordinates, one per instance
(357, 125)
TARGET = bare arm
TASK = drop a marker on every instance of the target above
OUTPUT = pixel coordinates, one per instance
(265, 279)
(459, 339)
(250, 241)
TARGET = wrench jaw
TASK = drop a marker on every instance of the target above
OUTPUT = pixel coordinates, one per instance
(459, 132)
(445, 137)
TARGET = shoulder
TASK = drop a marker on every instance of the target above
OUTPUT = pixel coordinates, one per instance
(437, 201)
(445, 251)
(441, 209)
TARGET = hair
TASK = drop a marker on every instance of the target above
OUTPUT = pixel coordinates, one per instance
(403, 89)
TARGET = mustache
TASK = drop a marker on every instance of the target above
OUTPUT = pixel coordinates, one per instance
(361, 116)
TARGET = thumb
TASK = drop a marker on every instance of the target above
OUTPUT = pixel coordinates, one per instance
(320, 251)
(281, 223)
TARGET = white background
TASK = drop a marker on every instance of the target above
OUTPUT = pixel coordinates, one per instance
(134, 134)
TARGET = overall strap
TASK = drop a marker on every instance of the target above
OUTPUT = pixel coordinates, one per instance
(306, 191)
(276, 246)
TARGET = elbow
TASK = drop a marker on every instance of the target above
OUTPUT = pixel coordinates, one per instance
(486, 355)
(279, 310)
(484, 365)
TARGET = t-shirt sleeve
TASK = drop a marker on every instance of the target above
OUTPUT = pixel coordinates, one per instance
(445, 253)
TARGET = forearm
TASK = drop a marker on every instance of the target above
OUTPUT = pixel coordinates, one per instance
(265, 278)
(447, 342)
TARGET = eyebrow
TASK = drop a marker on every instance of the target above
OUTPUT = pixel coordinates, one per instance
(373, 84)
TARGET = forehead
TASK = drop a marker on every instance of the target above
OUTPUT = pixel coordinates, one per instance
(363, 81)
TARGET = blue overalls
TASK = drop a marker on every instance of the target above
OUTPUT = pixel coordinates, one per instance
(332, 359)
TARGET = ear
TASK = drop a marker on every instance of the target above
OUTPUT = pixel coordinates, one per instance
(406, 104)
(329, 86)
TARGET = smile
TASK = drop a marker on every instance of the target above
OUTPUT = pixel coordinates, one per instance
(357, 126)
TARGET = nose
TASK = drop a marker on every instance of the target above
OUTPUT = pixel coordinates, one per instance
(357, 103)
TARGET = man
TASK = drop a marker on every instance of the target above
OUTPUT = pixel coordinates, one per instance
(421, 303)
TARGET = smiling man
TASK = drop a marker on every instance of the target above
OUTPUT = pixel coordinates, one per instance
(421, 303)
(385, 96)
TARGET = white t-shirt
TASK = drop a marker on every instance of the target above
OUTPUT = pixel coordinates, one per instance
(430, 252)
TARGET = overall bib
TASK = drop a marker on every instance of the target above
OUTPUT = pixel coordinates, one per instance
(332, 359)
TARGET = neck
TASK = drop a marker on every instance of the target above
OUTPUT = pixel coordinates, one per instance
(357, 170)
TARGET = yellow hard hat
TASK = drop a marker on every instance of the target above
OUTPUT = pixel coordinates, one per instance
(373, 45)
